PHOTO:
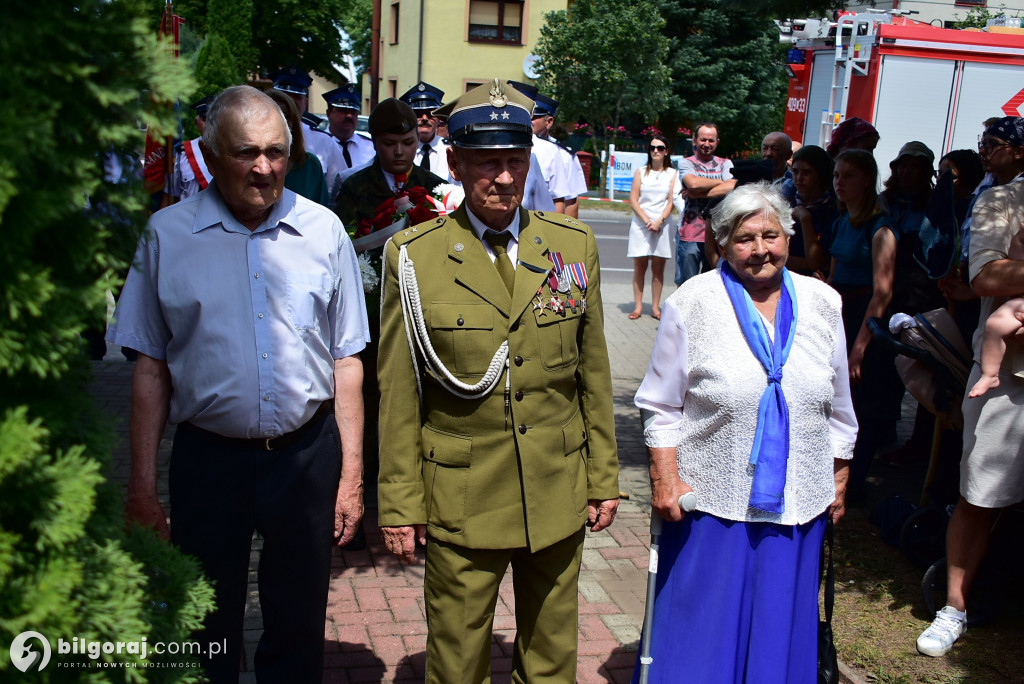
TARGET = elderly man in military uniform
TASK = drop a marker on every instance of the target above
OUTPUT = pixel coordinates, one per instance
(432, 153)
(295, 83)
(498, 444)
(343, 115)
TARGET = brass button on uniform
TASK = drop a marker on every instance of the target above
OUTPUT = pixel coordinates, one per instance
(519, 395)
(522, 429)
(461, 321)
(519, 360)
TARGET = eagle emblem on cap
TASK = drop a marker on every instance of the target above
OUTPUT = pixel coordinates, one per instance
(497, 94)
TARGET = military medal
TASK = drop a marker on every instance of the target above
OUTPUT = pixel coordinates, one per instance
(562, 282)
(578, 273)
(557, 305)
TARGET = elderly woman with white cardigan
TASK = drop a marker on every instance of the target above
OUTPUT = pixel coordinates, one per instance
(746, 403)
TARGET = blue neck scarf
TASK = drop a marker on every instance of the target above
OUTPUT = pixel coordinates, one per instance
(770, 452)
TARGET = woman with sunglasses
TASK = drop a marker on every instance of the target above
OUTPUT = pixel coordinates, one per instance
(650, 233)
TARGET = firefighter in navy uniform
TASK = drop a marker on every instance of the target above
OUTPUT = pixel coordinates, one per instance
(432, 153)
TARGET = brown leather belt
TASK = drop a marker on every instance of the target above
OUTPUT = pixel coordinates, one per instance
(265, 443)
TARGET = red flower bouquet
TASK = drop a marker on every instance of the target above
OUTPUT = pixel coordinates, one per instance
(414, 205)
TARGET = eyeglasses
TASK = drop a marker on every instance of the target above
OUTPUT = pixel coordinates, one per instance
(990, 144)
(657, 148)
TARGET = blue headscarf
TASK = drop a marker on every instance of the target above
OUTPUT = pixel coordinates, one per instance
(770, 452)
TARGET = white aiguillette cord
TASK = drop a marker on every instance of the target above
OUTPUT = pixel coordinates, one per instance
(412, 310)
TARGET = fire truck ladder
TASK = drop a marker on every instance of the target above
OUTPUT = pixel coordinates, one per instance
(853, 52)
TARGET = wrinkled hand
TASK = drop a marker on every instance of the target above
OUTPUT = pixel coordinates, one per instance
(665, 494)
(837, 509)
(146, 510)
(601, 513)
(401, 541)
(348, 511)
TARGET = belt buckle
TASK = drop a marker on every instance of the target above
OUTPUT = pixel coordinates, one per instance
(267, 446)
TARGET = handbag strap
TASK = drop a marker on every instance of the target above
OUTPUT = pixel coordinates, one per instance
(829, 578)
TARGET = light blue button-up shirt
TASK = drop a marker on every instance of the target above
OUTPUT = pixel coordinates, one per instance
(249, 322)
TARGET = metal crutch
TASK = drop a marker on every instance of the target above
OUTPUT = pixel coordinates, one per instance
(687, 502)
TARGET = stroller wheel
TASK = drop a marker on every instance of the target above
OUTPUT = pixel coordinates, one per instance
(923, 535)
(933, 586)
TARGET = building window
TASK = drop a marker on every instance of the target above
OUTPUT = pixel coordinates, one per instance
(392, 87)
(970, 3)
(394, 22)
(473, 84)
(496, 21)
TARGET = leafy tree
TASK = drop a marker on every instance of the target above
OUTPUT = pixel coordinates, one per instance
(726, 66)
(592, 62)
(977, 17)
(232, 19)
(357, 21)
(215, 66)
(305, 33)
(67, 568)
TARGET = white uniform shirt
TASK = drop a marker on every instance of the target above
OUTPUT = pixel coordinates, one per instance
(536, 196)
(553, 167)
(323, 147)
(438, 157)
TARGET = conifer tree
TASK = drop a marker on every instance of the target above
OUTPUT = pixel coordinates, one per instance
(82, 76)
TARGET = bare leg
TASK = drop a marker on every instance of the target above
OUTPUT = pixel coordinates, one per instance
(657, 282)
(967, 540)
(1002, 324)
(639, 273)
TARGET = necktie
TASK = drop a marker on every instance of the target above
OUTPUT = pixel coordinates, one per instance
(502, 262)
(425, 158)
(344, 150)
(400, 179)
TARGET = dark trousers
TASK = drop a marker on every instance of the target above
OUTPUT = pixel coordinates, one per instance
(220, 494)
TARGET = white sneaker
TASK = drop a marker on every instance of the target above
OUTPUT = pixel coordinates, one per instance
(947, 627)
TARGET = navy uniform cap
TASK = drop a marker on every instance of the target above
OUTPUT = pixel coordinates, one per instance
(293, 80)
(526, 89)
(392, 116)
(200, 107)
(345, 97)
(544, 105)
(423, 96)
(489, 116)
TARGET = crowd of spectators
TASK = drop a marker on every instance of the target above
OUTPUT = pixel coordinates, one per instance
(876, 241)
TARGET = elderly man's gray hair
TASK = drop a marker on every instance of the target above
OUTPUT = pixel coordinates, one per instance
(744, 202)
(249, 103)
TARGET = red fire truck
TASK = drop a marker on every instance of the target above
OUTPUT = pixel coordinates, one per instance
(911, 80)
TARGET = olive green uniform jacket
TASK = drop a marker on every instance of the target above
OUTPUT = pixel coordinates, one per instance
(479, 474)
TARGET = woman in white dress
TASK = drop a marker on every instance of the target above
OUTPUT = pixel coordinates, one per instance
(650, 233)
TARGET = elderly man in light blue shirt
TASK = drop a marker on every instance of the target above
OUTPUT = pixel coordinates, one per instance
(245, 303)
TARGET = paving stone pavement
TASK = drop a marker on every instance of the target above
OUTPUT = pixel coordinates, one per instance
(376, 627)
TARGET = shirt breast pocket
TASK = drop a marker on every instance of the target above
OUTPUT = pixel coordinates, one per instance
(307, 296)
(463, 336)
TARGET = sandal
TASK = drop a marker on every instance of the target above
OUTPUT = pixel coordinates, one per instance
(656, 315)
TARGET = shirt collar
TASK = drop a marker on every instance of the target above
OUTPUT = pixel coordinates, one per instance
(479, 228)
(213, 211)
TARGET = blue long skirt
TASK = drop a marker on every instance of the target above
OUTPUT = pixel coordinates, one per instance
(736, 602)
